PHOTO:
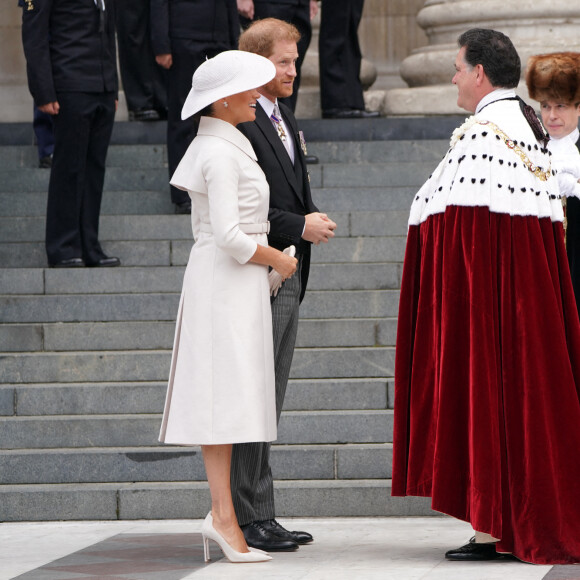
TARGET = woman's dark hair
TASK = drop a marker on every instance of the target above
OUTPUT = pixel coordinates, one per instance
(495, 52)
(205, 112)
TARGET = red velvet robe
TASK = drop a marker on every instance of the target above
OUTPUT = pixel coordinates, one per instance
(487, 372)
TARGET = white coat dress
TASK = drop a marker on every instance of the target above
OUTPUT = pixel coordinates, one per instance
(221, 383)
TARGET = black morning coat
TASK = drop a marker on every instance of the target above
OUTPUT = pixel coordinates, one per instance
(290, 197)
(69, 47)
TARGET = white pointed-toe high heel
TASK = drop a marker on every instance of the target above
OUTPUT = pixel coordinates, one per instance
(208, 532)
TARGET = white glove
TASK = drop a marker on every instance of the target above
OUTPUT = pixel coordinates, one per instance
(274, 278)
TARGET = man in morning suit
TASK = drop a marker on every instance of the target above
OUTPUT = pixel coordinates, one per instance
(72, 75)
(294, 220)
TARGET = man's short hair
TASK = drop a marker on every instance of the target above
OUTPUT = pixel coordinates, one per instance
(495, 52)
(261, 36)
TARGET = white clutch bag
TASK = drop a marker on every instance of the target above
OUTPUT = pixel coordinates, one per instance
(274, 278)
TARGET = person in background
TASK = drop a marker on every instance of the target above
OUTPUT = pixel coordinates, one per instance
(294, 220)
(144, 81)
(72, 76)
(43, 132)
(554, 80)
(296, 12)
(184, 33)
(221, 383)
(487, 364)
(341, 92)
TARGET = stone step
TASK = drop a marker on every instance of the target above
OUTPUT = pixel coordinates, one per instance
(176, 253)
(132, 464)
(135, 280)
(386, 196)
(191, 500)
(147, 397)
(154, 335)
(153, 365)
(154, 306)
(295, 428)
(365, 152)
(178, 227)
(400, 173)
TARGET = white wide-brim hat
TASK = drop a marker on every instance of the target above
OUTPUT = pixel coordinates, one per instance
(229, 73)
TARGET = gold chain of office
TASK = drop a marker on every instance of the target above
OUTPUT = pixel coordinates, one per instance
(540, 173)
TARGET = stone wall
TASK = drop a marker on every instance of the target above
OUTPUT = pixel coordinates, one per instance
(15, 100)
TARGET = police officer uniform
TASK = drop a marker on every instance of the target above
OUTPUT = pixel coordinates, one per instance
(341, 92)
(144, 81)
(191, 31)
(71, 59)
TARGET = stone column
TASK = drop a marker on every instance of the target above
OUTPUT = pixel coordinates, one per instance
(534, 26)
(15, 100)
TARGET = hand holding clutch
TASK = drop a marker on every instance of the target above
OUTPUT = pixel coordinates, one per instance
(274, 278)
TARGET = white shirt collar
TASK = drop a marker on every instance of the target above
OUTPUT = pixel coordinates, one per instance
(562, 142)
(496, 95)
(267, 105)
(574, 135)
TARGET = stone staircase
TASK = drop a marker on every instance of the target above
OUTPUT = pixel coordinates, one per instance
(84, 354)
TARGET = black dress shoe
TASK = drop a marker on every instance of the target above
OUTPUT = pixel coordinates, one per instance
(257, 536)
(474, 552)
(106, 262)
(311, 159)
(45, 162)
(70, 263)
(349, 114)
(144, 115)
(274, 527)
(183, 207)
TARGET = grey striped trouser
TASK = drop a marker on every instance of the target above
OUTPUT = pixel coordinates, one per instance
(251, 476)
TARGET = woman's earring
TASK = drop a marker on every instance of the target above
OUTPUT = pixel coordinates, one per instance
(226, 104)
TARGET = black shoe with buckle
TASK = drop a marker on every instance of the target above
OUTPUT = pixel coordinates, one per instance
(257, 536)
(298, 537)
(475, 552)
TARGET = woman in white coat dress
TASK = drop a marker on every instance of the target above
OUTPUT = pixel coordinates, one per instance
(221, 384)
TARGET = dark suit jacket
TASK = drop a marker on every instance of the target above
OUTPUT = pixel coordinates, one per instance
(69, 47)
(290, 197)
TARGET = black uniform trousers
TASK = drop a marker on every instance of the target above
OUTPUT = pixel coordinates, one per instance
(144, 81)
(340, 55)
(43, 127)
(82, 131)
(187, 56)
(298, 14)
